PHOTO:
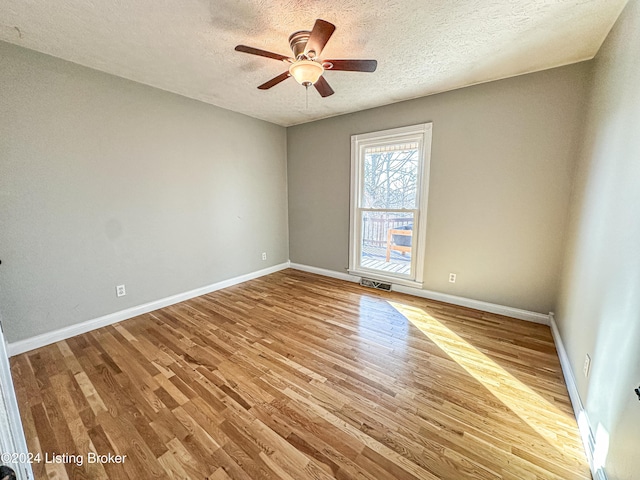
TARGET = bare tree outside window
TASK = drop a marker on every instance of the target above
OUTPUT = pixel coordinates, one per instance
(390, 183)
(390, 179)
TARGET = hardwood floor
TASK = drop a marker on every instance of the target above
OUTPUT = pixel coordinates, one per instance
(296, 376)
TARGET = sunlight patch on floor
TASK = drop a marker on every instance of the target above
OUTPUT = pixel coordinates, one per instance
(553, 425)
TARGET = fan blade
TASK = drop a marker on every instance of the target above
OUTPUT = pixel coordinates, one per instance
(352, 65)
(320, 35)
(274, 81)
(262, 53)
(323, 87)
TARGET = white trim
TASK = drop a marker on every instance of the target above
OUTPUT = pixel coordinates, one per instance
(584, 426)
(476, 304)
(386, 135)
(38, 341)
(325, 273)
(441, 297)
(23, 470)
(423, 196)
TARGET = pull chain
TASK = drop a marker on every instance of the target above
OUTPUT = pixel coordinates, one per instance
(306, 87)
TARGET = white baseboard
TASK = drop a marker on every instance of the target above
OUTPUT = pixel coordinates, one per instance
(476, 304)
(584, 426)
(324, 272)
(441, 297)
(21, 346)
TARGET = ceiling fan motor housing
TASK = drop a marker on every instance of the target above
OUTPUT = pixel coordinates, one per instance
(298, 42)
(305, 66)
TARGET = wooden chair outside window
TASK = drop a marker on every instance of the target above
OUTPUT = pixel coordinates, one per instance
(394, 244)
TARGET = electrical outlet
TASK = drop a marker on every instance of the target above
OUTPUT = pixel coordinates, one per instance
(586, 366)
(120, 291)
(452, 278)
(264, 255)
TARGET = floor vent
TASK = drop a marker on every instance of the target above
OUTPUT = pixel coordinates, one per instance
(367, 282)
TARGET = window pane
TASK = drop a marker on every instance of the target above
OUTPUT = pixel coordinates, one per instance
(390, 176)
(386, 243)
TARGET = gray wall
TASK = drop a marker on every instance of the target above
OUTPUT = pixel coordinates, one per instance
(104, 182)
(599, 308)
(501, 167)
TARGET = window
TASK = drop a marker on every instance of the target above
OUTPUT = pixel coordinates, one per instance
(389, 186)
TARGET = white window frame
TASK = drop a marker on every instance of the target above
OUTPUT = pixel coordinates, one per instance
(421, 134)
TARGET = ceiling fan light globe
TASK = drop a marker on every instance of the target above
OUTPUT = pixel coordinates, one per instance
(306, 72)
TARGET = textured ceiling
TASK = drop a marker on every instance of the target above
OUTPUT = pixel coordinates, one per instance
(422, 47)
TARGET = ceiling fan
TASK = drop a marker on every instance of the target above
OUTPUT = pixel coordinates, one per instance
(305, 65)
